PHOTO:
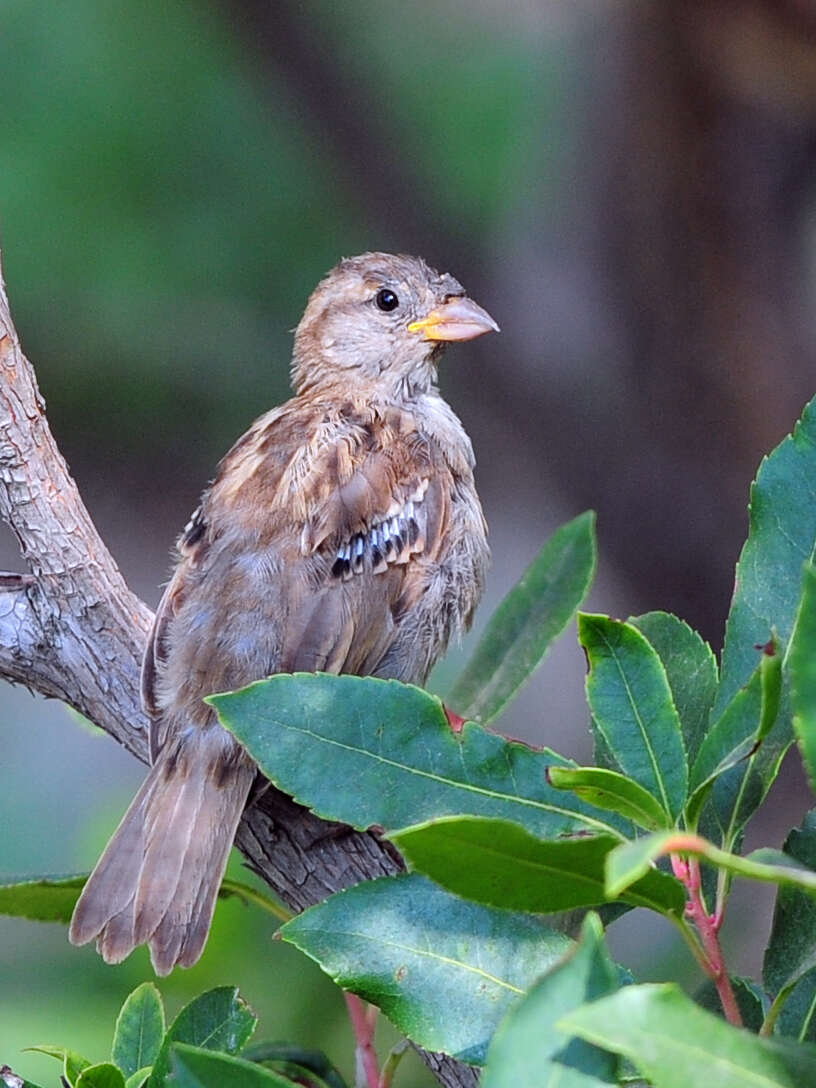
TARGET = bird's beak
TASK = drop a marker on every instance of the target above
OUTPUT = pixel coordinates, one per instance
(456, 319)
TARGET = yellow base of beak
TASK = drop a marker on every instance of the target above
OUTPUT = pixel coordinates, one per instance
(456, 319)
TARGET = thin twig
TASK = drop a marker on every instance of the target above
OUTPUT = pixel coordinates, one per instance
(707, 925)
(395, 1056)
(363, 1025)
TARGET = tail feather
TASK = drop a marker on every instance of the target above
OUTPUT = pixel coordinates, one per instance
(182, 933)
(115, 940)
(114, 871)
(171, 821)
(158, 879)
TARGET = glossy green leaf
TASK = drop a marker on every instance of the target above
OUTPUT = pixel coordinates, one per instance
(633, 709)
(631, 861)
(527, 622)
(744, 725)
(738, 792)
(72, 1063)
(139, 1078)
(53, 898)
(782, 536)
(803, 675)
(442, 969)
(502, 865)
(196, 1068)
(613, 791)
(216, 1020)
(42, 899)
(139, 1030)
(791, 950)
(529, 1050)
(674, 1043)
(297, 1061)
(691, 669)
(781, 539)
(372, 752)
(797, 1017)
(103, 1075)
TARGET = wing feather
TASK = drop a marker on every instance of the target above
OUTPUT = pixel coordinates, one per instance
(266, 550)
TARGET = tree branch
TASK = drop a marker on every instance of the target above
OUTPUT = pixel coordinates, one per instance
(72, 630)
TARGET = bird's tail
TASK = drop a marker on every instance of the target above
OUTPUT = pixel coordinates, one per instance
(158, 878)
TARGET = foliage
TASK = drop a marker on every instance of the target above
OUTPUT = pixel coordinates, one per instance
(200, 1048)
(472, 953)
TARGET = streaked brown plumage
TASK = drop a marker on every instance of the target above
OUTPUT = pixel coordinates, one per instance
(342, 533)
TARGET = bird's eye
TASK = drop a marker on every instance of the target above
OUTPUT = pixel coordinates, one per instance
(386, 300)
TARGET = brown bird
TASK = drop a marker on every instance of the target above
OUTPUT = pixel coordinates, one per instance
(342, 534)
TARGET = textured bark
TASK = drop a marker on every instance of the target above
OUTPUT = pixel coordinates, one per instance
(71, 629)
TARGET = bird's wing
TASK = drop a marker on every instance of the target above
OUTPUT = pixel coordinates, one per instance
(369, 518)
(363, 506)
(156, 649)
(348, 504)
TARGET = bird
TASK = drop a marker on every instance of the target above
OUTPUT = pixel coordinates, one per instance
(342, 533)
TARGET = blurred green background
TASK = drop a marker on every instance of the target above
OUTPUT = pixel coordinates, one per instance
(629, 189)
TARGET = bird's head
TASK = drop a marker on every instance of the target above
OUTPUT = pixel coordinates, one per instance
(384, 319)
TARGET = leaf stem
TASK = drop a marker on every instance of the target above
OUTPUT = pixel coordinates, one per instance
(363, 1022)
(769, 1023)
(253, 895)
(708, 926)
(390, 1064)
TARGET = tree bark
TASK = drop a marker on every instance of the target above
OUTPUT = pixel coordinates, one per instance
(72, 630)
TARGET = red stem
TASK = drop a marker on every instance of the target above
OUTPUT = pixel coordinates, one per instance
(363, 1022)
(708, 926)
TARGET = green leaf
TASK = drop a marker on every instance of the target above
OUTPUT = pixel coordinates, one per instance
(738, 792)
(368, 752)
(139, 1078)
(736, 735)
(53, 898)
(529, 619)
(803, 675)
(442, 969)
(139, 1030)
(42, 899)
(632, 706)
(216, 1020)
(674, 1043)
(797, 1017)
(72, 1063)
(500, 864)
(782, 536)
(613, 791)
(791, 950)
(691, 669)
(195, 1068)
(296, 1061)
(103, 1075)
(528, 1048)
(781, 539)
(630, 861)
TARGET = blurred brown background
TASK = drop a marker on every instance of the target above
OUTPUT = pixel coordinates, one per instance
(627, 186)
